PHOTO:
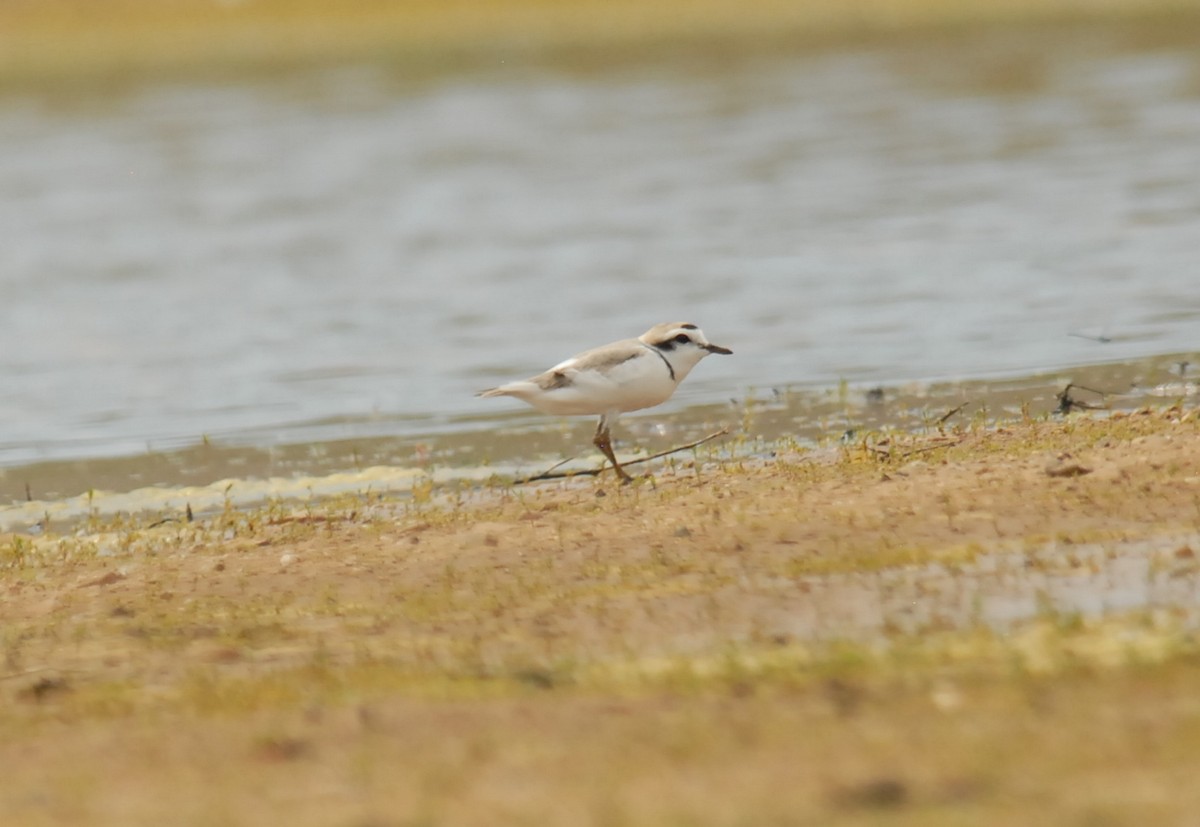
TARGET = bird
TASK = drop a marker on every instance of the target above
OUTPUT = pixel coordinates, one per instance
(616, 378)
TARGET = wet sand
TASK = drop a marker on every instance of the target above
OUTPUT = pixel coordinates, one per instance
(972, 625)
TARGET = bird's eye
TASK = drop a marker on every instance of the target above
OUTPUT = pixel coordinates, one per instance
(683, 338)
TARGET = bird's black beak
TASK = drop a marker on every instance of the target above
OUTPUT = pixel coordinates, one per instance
(711, 348)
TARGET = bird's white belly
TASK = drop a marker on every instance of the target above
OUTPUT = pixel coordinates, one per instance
(630, 386)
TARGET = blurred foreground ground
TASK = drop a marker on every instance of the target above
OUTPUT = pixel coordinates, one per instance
(818, 638)
(113, 39)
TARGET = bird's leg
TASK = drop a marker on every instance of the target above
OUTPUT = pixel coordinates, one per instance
(603, 441)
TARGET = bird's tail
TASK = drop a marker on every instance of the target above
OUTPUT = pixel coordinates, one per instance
(492, 392)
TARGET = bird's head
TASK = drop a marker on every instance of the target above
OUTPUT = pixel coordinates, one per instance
(682, 344)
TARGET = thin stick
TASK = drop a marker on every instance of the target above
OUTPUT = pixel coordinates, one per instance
(1066, 403)
(951, 413)
(887, 454)
(593, 472)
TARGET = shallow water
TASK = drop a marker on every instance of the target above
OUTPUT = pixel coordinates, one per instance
(328, 256)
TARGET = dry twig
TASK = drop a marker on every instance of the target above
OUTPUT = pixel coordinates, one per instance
(550, 474)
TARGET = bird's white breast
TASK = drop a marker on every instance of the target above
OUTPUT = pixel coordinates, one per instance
(641, 381)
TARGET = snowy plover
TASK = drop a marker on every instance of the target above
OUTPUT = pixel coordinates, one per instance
(613, 379)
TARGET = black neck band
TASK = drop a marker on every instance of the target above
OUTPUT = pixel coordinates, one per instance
(666, 361)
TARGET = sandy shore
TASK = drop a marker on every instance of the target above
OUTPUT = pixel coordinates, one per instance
(985, 626)
(116, 39)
